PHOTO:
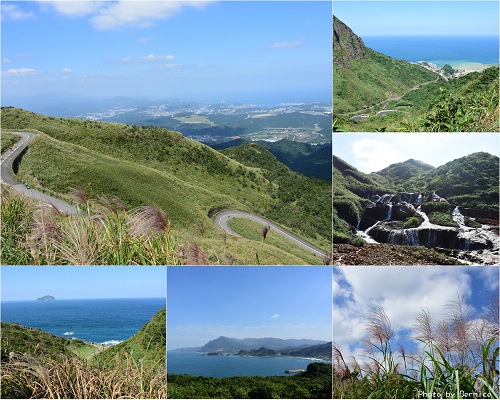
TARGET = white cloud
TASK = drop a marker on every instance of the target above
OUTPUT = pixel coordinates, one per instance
(171, 66)
(74, 8)
(146, 39)
(275, 316)
(374, 155)
(15, 13)
(139, 14)
(286, 45)
(21, 72)
(6, 61)
(67, 70)
(145, 59)
(401, 291)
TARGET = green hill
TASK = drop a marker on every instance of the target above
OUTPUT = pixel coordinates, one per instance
(186, 179)
(17, 338)
(363, 77)
(470, 181)
(148, 344)
(36, 364)
(399, 174)
(467, 104)
(307, 159)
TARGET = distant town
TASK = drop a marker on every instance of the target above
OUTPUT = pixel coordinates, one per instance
(301, 121)
(447, 72)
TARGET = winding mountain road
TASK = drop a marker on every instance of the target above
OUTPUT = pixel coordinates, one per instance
(387, 101)
(222, 218)
(6, 177)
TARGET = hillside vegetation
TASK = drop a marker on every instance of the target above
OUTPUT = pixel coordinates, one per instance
(313, 161)
(148, 345)
(314, 383)
(36, 364)
(184, 178)
(375, 78)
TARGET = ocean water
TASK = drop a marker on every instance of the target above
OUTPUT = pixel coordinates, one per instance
(107, 321)
(440, 50)
(222, 367)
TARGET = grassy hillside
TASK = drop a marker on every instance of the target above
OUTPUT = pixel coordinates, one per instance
(300, 157)
(148, 345)
(161, 168)
(374, 78)
(8, 140)
(36, 364)
(467, 104)
(38, 343)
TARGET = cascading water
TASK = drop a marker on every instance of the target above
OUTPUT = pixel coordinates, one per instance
(458, 216)
(389, 212)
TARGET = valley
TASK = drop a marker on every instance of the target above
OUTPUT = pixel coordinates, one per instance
(412, 213)
(376, 93)
(190, 179)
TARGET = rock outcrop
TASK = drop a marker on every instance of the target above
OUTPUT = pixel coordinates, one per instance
(346, 45)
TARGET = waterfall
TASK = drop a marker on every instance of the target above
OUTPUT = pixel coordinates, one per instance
(389, 212)
(458, 216)
(419, 199)
(357, 226)
(405, 237)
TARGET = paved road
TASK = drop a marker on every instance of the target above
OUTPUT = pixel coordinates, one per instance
(390, 112)
(397, 98)
(9, 156)
(221, 219)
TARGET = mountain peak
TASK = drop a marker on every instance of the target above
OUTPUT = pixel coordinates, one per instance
(347, 46)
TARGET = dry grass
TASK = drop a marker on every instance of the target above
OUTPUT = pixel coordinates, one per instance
(25, 376)
(40, 234)
(459, 357)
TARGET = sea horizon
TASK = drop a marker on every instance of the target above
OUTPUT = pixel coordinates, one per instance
(108, 320)
(92, 298)
(459, 51)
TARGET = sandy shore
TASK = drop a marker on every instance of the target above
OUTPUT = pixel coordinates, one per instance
(468, 65)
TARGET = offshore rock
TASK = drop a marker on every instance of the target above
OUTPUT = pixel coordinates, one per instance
(347, 46)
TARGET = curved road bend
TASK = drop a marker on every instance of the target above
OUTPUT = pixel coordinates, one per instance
(222, 218)
(9, 156)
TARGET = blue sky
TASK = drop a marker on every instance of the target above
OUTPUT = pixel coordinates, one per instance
(402, 292)
(284, 302)
(30, 283)
(397, 18)
(191, 50)
(372, 152)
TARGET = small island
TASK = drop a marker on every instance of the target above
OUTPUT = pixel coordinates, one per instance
(46, 298)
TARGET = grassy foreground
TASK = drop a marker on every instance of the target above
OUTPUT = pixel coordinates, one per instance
(36, 364)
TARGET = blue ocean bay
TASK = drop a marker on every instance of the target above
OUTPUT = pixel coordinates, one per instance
(93, 320)
(197, 364)
(438, 49)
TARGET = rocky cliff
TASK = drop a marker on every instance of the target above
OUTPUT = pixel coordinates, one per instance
(346, 45)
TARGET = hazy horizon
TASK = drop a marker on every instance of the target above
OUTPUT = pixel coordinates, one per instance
(26, 283)
(234, 51)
